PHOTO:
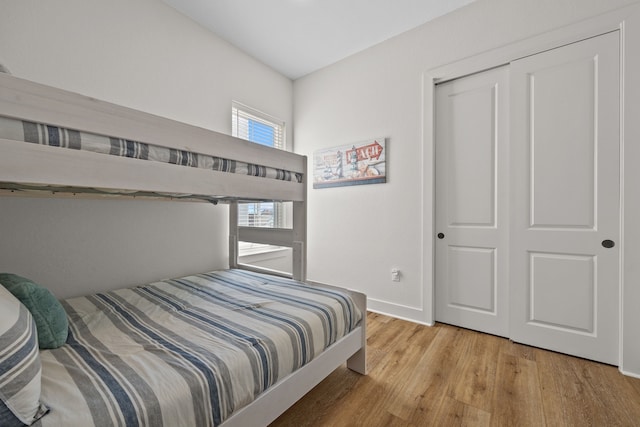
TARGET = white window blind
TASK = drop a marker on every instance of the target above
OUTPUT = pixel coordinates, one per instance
(258, 127)
(261, 128)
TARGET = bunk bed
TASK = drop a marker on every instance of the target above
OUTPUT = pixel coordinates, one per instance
(54, 142)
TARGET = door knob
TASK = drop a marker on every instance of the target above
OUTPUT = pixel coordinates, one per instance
(608, 243)
(440, 235)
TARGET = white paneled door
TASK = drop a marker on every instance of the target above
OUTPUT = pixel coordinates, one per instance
(528, 200)
(565, 231)
(471, 202)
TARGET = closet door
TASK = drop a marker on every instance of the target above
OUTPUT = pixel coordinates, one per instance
(566, 198)
(471, 202)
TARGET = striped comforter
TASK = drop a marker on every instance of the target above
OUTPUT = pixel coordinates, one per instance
(186, 351)
(43, 134)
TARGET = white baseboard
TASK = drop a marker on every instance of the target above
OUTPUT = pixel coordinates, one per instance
(411, 314)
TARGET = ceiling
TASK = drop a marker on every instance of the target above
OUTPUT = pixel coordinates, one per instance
(297, 37)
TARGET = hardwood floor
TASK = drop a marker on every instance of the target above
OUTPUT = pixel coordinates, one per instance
(448, 376)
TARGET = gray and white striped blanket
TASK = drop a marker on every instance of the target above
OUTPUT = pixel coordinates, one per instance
(44, 134)
(186, 351)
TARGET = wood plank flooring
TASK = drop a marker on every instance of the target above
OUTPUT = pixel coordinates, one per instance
(448, 376)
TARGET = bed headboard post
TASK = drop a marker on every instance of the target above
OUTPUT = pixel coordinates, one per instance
(299, 243)
(299, 270)
(233, 234)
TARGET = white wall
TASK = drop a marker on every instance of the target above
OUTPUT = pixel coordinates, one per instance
(79, 246)
(357, 234)
(141, 54)
(144, 55)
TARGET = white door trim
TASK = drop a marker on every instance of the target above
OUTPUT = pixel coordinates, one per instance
(627, 21)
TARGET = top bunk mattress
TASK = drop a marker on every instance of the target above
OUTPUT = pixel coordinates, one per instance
(54, 136)
(186, 351)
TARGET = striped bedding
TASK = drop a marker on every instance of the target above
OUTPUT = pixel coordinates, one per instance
(38, 133)
(188, 351)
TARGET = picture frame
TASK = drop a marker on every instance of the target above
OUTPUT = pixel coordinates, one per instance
(351, 164)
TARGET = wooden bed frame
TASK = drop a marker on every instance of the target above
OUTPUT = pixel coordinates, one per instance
(25, 164)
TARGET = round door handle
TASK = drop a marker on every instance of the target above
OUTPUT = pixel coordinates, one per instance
(608, 243)
(440, 235)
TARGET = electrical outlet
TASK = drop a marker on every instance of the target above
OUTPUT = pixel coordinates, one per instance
(395, 275)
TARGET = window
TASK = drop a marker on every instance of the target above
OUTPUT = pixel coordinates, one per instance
(256, 126)
(260, 128)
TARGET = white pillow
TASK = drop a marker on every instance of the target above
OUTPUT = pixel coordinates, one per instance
(20, 368)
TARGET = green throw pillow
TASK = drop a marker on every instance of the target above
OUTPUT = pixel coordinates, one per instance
(51, 319)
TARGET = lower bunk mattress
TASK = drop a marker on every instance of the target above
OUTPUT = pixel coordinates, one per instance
(188, 351)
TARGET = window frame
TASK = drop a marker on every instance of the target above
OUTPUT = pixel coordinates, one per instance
(280, 215)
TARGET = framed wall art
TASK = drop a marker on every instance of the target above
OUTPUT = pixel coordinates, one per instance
(351, 164)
